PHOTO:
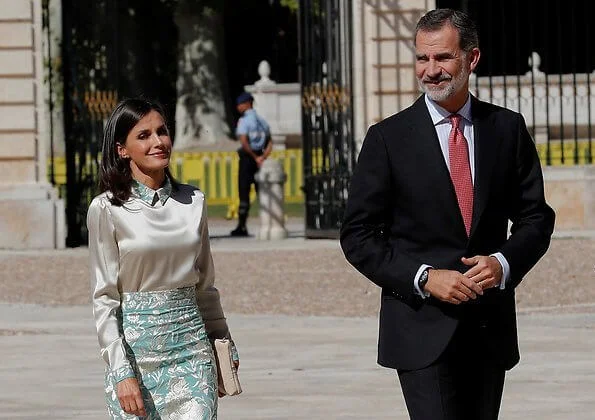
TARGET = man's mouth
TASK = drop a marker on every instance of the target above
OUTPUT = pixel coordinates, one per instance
(436, 82)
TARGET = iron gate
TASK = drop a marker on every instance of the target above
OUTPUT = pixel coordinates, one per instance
(89, 71)
(327, 122)
(108, 52)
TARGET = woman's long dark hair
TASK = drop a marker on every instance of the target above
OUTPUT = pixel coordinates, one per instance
(115, 175)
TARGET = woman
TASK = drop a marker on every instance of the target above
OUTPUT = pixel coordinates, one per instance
(152, 275)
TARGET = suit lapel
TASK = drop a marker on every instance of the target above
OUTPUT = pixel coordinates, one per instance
(424, 132)
(486, 144)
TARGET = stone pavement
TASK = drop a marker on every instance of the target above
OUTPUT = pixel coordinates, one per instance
(291, 368)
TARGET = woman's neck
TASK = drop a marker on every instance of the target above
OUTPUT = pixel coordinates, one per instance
(151, 180)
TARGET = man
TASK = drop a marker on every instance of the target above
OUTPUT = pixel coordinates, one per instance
(427, 221)
(254, 134)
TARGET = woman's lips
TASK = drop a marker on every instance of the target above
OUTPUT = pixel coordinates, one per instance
(160, 154)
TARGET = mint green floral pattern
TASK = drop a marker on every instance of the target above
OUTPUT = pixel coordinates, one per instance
(172, 357)
(151, 196)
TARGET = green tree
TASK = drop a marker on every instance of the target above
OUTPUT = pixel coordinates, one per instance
(290, 4)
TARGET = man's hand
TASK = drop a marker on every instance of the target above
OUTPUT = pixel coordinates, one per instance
(485, 271)
(259, 160)
(130, 397)
(451, 286)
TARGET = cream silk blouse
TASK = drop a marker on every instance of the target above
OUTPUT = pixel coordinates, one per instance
(155, 241)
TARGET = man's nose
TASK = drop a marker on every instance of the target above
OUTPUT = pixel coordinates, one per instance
(433, 69)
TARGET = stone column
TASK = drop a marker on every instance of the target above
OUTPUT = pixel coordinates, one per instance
(271, 178)
(31, 215)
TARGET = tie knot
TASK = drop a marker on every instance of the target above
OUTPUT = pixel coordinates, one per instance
(455, 119)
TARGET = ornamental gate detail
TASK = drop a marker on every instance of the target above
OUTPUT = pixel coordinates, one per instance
(327, 112)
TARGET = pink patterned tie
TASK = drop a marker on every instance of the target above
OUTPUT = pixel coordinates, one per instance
(460, 170)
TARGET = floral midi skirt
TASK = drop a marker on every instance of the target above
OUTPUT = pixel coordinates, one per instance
(171, 355)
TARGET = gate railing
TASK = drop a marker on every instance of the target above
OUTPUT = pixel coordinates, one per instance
(559, 110)
(327, 115)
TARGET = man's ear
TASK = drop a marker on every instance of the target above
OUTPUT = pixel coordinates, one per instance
(473, 58)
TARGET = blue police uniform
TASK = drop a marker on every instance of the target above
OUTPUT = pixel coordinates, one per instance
(258, 132)
(255, 128)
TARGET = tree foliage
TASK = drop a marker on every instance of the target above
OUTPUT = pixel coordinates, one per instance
(290, 4)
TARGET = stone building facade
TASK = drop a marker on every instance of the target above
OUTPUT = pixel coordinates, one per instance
(31, 215)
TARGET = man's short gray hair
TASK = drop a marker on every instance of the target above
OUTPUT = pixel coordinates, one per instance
(436, 19)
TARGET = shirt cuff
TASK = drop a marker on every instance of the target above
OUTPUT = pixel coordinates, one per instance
(505, 269)
(416, 287)
(122, 373)
(234, 352)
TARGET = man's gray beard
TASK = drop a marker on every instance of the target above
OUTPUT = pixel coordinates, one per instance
(442, 94)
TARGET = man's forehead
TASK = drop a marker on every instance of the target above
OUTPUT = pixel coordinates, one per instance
(445, 36)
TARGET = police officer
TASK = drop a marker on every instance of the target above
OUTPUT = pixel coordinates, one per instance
(254, 134)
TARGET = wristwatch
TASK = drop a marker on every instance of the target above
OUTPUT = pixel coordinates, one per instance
(423, 279)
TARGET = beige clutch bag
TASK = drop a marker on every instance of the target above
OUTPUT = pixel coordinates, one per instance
(229, 383)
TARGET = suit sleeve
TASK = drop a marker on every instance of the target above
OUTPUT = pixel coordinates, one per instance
(532, 219)
(364, 232)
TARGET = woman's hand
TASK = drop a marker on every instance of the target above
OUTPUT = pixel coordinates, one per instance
(130, 397)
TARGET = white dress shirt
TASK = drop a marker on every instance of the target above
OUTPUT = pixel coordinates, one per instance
(443, 128)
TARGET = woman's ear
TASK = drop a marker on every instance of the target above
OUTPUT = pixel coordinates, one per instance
(121, 151)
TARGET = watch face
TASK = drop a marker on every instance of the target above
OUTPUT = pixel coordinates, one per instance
(424, 278)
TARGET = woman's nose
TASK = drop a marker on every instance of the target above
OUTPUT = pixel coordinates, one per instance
(156, 136)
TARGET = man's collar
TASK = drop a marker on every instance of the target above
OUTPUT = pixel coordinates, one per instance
(151, 196)
(439, 114)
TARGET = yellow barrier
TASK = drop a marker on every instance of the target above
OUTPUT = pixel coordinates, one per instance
(216, 173)
(555, 149)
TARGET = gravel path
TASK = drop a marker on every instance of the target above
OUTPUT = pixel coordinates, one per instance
(297, 282)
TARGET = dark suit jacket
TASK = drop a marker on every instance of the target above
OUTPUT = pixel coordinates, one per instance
(402, 212)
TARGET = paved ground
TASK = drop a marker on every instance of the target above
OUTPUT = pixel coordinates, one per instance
(305, 325)
(293, 368)
(292, 277)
